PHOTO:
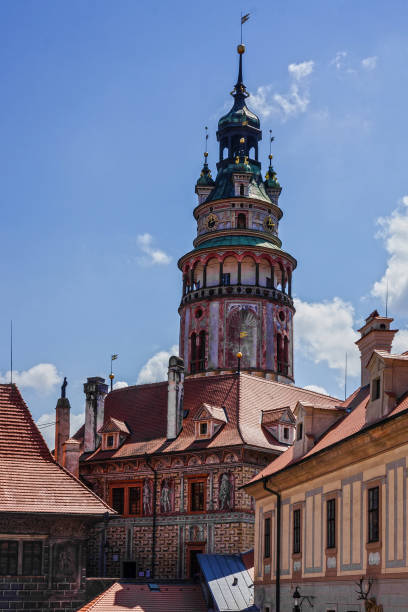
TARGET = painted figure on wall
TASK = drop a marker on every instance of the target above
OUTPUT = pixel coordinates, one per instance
(166, 496)
(147, 497)
(225, 494)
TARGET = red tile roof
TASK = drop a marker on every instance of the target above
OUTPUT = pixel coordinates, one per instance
(139, 598)
(114, 425)
(144, 409)
(353, 421)
(30, 479)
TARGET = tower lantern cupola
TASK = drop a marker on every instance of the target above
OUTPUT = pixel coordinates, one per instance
(237, 281)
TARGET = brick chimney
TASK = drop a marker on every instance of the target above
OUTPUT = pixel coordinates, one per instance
(70, 457)
(175, 397)
(62, 411)
(95, 391)
(375, 335)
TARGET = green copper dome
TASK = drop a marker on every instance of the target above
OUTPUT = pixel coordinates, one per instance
(239, 116)
(251, 241)
(205, 178)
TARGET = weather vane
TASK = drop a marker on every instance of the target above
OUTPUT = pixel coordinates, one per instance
(206, 142)
(244, 18)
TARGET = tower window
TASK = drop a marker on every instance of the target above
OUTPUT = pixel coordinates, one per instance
(375, 389)
(197, 352)
(225, 279)
(241, 190)
(299, 431)
(241, 221)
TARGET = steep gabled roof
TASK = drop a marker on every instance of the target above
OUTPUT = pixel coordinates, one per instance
(211, 412)
(30, 479)
(241, 398)
(113, 425)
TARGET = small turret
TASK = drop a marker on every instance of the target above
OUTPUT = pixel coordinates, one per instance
(205, 183)
(375, 335)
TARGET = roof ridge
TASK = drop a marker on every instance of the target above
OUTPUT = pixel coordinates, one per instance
(286, 385)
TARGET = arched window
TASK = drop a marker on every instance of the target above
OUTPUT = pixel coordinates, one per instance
(201, 352)
(241, 190)
(279, 352)
(241, 221)
(193, 353)
(285, 355)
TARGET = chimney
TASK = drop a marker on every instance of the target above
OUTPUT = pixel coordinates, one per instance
(95, 391)
(70, 457)
(62, 411)
(175, 397)
(375, 335)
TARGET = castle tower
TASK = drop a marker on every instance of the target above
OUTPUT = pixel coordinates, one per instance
(237, 282)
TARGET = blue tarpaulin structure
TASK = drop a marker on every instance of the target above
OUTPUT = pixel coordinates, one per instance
(229, 582)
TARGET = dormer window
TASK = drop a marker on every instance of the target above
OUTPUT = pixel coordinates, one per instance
(286, 433)
(113, 433)
(375, 389)
(299, 431)
(208, 421)
(110, 441)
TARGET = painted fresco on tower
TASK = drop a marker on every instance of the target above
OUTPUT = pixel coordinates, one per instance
(242, 334)
(167, 496)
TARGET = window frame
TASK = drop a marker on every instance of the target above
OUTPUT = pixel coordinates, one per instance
(196, 480)
(299, 431)
(331, 523)
(372, 512)
(297, 531)
(20, 540)
(126, 486)
(376, 388)
(267, 537)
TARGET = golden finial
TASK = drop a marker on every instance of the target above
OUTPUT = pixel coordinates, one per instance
(242, 140)
(241, 49)
(239, 354)
(270, 155)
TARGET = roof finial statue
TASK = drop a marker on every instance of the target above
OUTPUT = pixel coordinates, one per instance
(64, 387)
(206, 145)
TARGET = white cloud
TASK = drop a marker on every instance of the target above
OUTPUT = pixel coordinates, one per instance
(121, 384)
(154, 255)
(369, 63)
(42, 377)
(316, 389)
(400, 344)
(339, 60)
(324, 332)
(302, 70)
(294, 102)
(394, 231)
(46, 424)
(155, 369)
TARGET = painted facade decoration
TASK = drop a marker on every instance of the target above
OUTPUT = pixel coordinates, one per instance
(226, 491)
(237, 282)
(167, 496)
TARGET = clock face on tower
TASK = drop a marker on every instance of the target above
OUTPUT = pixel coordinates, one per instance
(211, 221)
(269, 224)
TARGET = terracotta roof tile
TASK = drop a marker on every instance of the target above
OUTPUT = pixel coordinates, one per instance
(139, 598)
(144, 409)
(30, 479)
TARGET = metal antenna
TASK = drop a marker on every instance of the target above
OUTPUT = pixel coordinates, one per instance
(345, 379)
(11, 352)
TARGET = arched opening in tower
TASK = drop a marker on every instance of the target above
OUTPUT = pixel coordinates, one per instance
(241, 221)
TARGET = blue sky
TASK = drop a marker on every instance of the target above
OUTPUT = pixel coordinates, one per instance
(102, 115)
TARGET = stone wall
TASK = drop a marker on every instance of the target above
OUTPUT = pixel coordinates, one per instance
(60, 583)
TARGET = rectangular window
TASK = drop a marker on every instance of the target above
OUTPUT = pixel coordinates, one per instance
(375, 389)
(331, 523)
(134, 500)
(226, 279)
(299, 431)
(286, 433)
(109, 441)
(197, 496)
(8, 557)
(267, 538)
(374, 514)
(32, 558)
(296, 531)
(118, 499)
(269, 283)
(203, 429)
